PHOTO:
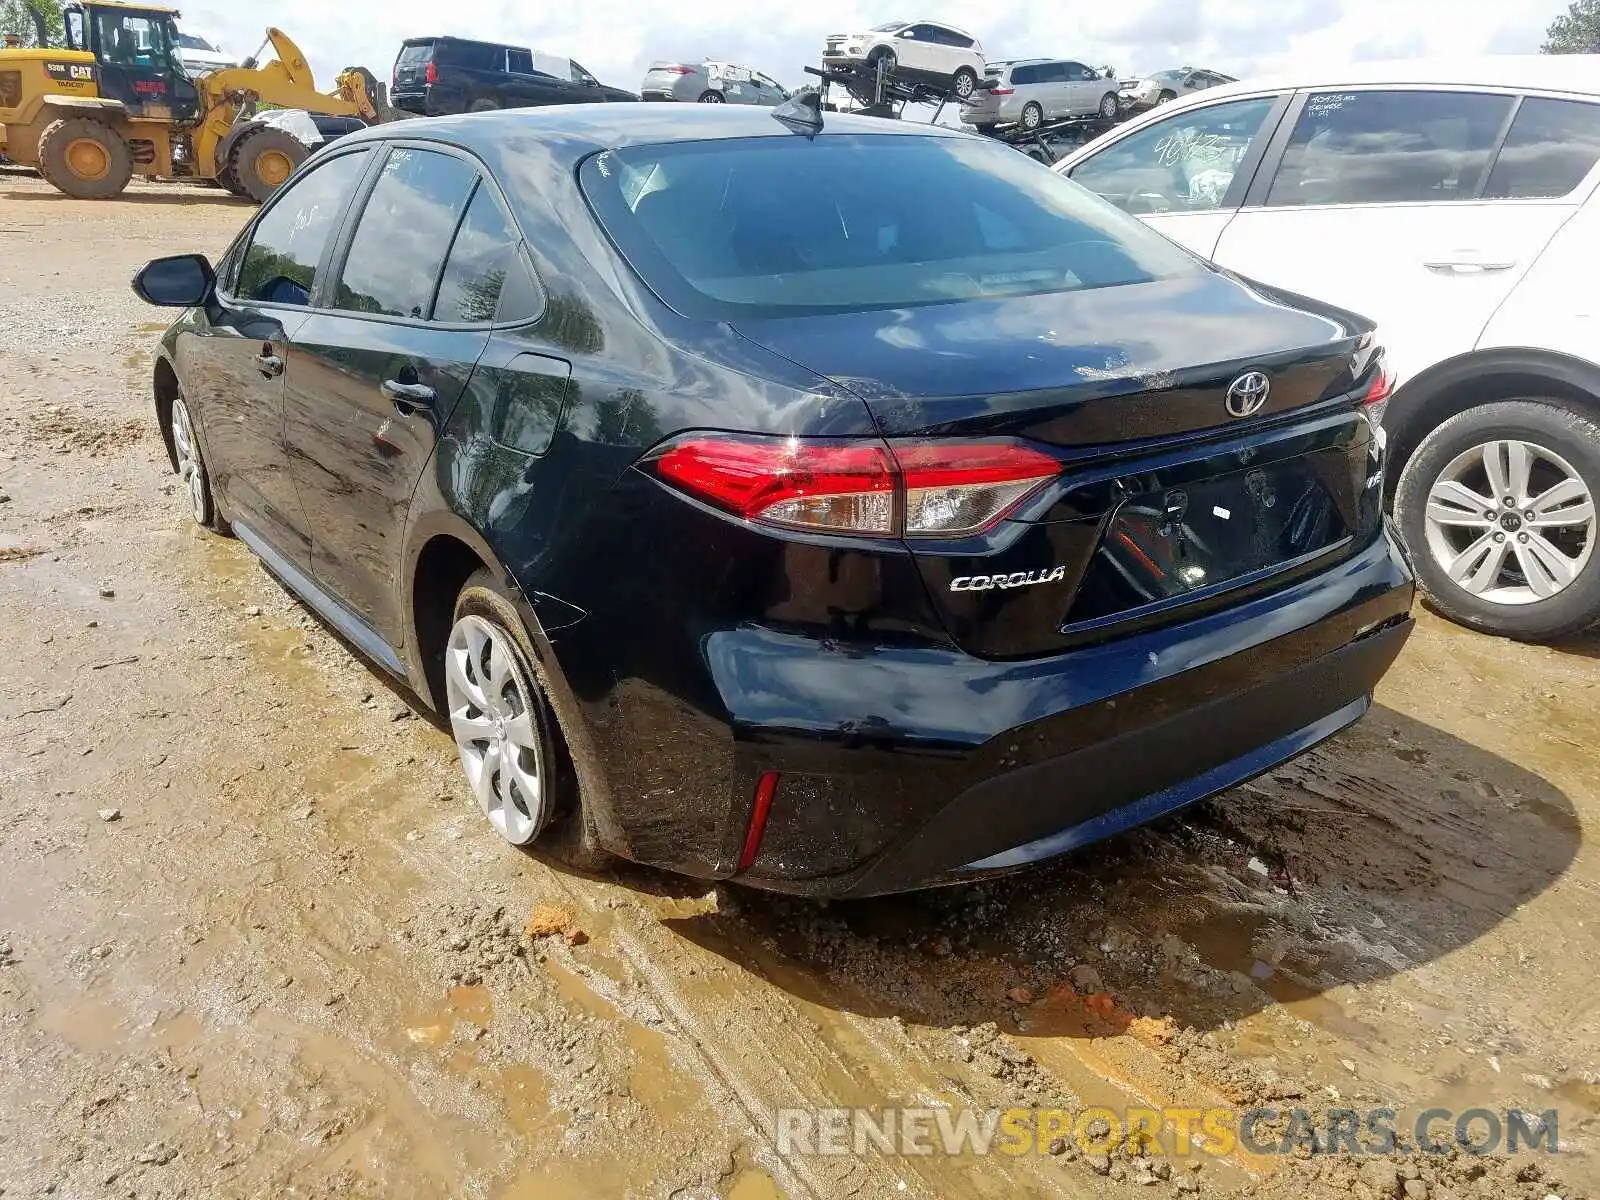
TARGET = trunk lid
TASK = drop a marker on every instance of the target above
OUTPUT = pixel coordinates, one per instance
(1168, 503)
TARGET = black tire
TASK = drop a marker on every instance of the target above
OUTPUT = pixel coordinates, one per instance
(964, 82)
(1032, 115)
(1557, 427)
(882, 59)
(711, 96)
(1166, 97)
(1110, 107)
(483, 105)
(190, 461)
(562, 835)
(229, 182)
(986, 130)
(258, 160)
(67, 144)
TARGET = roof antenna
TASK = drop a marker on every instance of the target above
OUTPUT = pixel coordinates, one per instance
(801, 113)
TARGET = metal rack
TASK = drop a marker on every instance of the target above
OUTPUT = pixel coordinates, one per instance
(881, 93)
(1040, 142)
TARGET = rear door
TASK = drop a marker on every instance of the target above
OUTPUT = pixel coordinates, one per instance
(411, 67)
(372, 377)
(1186, 174)
(1382, 201)
(1077, 89)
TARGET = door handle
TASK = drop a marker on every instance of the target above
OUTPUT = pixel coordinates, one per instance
(269, 364)
(1468, 266)
(408, 397)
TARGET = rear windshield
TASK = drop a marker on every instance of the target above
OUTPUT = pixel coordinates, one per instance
(739, 228)
(415, 54)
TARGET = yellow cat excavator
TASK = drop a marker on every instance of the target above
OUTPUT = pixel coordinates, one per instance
(116, 102)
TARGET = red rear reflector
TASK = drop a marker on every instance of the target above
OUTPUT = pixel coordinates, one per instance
(1002, 91)
(433, 72)
(766, 788)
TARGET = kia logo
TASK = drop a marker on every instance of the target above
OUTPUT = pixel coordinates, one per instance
(1247, 395)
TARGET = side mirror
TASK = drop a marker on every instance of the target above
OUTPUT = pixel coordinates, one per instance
(181, 281)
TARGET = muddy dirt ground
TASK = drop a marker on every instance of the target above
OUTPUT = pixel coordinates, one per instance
(256, 941)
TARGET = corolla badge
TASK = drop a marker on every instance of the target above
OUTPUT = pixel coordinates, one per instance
(986, 583)
(1247, 395)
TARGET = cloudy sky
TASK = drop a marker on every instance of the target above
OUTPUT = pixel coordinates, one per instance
(616, 38)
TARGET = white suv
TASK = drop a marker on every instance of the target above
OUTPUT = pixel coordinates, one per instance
(1454, 203)
(927, 51)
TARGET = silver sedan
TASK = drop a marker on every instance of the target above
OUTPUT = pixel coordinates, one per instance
(710, 82)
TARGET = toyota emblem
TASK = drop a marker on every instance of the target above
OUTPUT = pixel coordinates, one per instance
(1247, 395)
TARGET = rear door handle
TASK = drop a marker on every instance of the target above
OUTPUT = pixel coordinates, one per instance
(269, 364)
(408, 397)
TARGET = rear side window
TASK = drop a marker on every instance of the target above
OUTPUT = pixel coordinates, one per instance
(520, 62)
(280, 265)
(1186, 163)
(485, 252)
(1552, 145)
(1024, 75)
(404, 233)
(1054, 72)
(476, 56)
(712, 226)
(1389, 147)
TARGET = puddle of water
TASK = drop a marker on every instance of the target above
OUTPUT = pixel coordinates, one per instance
(525, 1098)
(575, 991)
(88, 1025)
(754, 1185)
(437, 1027)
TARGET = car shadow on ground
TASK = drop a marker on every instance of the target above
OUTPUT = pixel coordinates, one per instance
(1387, 848)
(200, 196)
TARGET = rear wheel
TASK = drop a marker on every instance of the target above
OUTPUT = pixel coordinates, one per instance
(262, 161)
(1166, 97)
(712, 96)
(1498, 508)
(1032, 115)
(483, 105)
(506, 735)
(85, 158)
(966, 82)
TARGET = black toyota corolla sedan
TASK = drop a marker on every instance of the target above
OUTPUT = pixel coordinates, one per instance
(838, 511)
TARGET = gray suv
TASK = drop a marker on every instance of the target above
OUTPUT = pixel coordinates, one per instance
(1029, 92)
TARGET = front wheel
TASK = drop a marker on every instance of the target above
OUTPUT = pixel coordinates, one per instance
(965, 82)
(192, 469)
(1109, 106)
(1498, 508)
(712, 96)
(262, 160)
(1166, 97)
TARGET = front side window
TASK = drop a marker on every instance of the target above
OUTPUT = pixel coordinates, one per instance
(1389, 147)
(1552, 145)
(404, 233)
(1053, 73)
(712, 226)
(286, 247)
(1186, 163)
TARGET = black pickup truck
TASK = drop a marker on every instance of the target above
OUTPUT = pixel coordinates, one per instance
(438, 76)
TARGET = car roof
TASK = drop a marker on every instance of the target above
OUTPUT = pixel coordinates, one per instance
(1540, 72)
(574, 131)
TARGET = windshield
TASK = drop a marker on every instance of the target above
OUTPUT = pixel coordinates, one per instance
(889, 28)
(190, 41)
(143, 41)
(735, 228)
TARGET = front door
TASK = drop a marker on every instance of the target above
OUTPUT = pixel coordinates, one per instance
(262, 303)
(1185, 175)
(374, 374)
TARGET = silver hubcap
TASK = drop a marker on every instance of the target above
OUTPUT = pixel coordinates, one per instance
(189, 468)
(964, 85)
(492, 718)
(1511, 522)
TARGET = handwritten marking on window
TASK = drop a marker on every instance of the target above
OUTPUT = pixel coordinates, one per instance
(1192, 146)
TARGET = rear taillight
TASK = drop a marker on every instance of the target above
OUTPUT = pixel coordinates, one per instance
(913, 489)
(1000, 91)
(680, 70)
(1376, 401)
(433, 73)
